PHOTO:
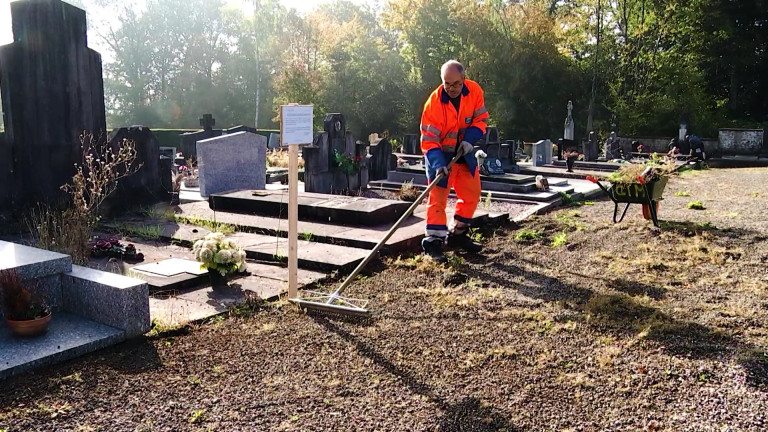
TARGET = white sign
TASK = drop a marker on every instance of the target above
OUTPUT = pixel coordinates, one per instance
(296, 124)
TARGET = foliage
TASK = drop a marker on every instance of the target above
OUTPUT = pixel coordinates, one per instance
(279, 158)
(19, 303)
(347, 165)
(560, 239)
(648, 64)
(69, 230)
(408, 192)
(218, 253)
(527, 235)
(652, 169)
(696, 205)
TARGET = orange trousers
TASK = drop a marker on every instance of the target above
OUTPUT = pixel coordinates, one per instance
(467, 189)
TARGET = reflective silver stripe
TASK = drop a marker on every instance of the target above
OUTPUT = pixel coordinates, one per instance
(452, 135)
(448, 148)
(481, 110)
(430, 138)
(430, 128)
(485, 120)
(462, 130)
(441, 234)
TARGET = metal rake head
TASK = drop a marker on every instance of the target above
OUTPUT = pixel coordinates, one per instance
(331, 303)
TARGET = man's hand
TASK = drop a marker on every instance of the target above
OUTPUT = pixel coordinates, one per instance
(443, 170)
(465, 148)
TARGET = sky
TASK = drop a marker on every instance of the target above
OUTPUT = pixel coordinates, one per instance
(6, 36)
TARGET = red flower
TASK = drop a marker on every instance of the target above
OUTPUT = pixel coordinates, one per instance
(357, 158)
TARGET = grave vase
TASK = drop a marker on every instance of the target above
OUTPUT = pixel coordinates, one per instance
(217, 280)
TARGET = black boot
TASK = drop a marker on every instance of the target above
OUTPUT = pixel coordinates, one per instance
(434, 250)
(462, 240)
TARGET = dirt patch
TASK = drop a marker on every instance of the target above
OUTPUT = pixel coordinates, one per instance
(620, 327)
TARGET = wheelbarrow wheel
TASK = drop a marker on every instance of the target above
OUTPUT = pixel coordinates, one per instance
(647, 210)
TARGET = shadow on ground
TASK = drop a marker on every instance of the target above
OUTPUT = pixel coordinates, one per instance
(467, 415)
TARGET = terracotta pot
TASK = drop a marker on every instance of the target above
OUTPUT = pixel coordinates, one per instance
(27, 328)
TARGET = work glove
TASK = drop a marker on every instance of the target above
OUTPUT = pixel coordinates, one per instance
(465, 148)
(443, 170)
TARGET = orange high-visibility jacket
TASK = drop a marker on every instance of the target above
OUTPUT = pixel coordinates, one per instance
(442, 127)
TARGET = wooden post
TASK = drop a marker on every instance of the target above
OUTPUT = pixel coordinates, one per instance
(293, 219)
(295, 130)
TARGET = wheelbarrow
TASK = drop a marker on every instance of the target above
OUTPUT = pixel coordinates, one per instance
(647, 193)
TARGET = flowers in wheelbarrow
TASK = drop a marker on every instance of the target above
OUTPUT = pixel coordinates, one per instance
(218, 253)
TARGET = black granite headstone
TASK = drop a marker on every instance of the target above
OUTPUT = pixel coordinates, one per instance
(145, 185)
(381, 161)
(52, 91)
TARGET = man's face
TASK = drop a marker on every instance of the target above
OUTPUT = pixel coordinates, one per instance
(453, 82)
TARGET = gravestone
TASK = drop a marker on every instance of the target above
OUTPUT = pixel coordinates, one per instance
(188, 141)
(52, 91)
(232, 161)
(568, 132)
(323, 172)
(381, 158)
(146, 185)
(412, 144)
(491, 144)
(612, 147)
(274, 141)
(235, 129)
(590, 148)
(336, 126)
(541, 152)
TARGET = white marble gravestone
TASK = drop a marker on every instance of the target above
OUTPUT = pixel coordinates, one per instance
(568, 130)
(232, 161)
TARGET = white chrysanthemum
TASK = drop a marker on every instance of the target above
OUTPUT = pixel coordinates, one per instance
(228, 244)
(210, 245)
(206, 255)
(215, 236)
(223, 257)
(198, 244)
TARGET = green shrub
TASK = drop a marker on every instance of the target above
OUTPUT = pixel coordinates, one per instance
(696, 205)
(527, 235)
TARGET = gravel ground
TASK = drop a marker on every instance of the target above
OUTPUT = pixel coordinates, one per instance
(620, 328)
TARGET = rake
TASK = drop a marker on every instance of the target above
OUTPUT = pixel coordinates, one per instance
(335, 303)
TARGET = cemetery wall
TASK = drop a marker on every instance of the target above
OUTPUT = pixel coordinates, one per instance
(742, 141)
(660, 145)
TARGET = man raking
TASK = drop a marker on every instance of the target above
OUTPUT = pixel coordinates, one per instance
(454, 119)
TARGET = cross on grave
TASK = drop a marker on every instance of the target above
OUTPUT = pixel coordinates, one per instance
(207, 122)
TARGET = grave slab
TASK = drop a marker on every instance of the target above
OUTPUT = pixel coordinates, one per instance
(32, 262)
(232, 161)
(68, 336)
(206, 302)
(108, 298)
(407, 237)
(312, 206)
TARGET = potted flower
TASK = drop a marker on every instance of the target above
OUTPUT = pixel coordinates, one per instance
(220, 256)
(25, 314)
(191, 178)
(570, 158)
(112, 247)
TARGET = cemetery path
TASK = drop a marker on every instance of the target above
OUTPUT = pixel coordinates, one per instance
(585, 326)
